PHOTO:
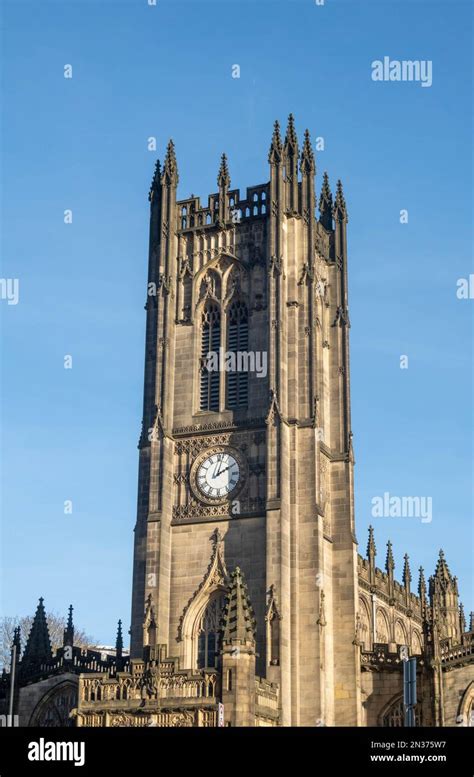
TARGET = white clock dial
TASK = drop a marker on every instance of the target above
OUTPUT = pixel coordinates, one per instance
(218, 475)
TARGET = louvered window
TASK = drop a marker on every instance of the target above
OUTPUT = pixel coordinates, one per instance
(210, 344)
(237, 341)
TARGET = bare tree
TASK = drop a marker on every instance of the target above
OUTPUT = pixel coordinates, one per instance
(56, 626)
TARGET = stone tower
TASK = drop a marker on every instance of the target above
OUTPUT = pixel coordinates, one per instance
(246, 462)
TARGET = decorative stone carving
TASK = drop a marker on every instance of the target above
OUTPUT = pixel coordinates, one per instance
(275, 265)
(216, 578)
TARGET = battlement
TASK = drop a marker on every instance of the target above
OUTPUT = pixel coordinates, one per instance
(192, 215)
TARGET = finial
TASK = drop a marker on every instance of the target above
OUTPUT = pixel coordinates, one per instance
(371, 549)
(340, 203)
(442, 569)
(155, 182)
(276, 147)
(325, 204)
(223, 178)
(119, 641)
(406, 571)
(307, 163)
(290, 137)
(389, 563)
(326, 189)
(170, 169)
(68, 635)
(462, 618)
(422, 584)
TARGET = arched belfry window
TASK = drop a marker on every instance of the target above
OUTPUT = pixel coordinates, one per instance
(210, 633)
(237, 343)
(210, 356)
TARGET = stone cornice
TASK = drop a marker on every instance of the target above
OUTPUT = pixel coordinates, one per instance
(222, 426)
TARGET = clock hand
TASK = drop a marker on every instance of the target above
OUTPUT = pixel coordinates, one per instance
(225, 469)
(217, 470)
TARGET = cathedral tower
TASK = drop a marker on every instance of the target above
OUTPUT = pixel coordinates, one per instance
(246, 462)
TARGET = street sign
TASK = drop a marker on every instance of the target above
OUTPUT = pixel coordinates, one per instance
(403, 653)
(409, 691)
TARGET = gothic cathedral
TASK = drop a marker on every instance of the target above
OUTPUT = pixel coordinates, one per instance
(251, 605)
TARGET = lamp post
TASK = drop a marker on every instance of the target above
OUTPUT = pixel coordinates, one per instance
(12, 686)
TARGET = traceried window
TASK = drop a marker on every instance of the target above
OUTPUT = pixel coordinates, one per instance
(210, 355)
(210, 634)
(394, 717)
(237, 343)
(54, 710)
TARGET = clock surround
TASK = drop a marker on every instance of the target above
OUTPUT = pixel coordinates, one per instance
(200, 475)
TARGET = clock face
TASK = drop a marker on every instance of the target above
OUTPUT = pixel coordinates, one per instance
(218, 475)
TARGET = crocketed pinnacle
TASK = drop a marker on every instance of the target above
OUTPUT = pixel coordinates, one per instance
(406, 571)
(442, 570)
(276, 146)
(155, 182)
(119, 640)
(325, 203)
(307, 163)
(223, 177)
(371, 549)
(340, 203)
(170, 168)
(422, 585)
(291, 139)
(239, 620)
(389, 562)
(68, 638)
(38, 644)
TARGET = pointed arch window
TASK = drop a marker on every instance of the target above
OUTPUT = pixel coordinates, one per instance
(238, 342)
(210, 633)
(394, 715)
(210, 344)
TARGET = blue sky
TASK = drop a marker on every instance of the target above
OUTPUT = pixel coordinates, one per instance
(141, 71)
